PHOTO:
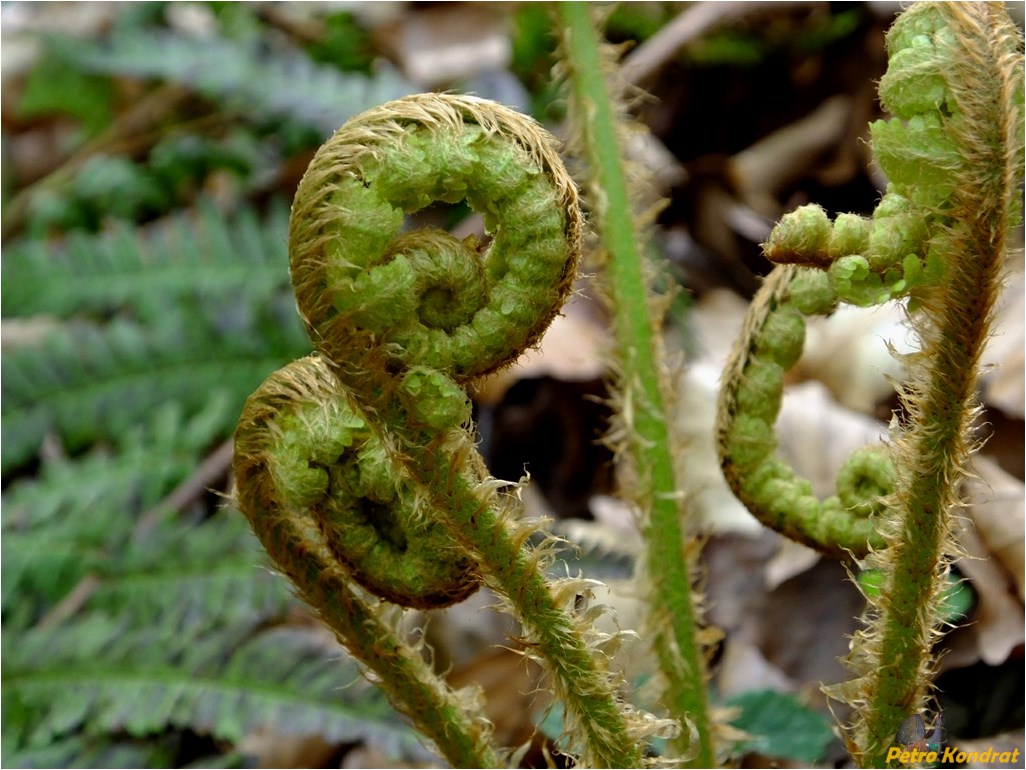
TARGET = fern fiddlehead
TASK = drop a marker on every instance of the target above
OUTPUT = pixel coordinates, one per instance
(953, 155)
(357, 462)
(770, 344)
(902, 250)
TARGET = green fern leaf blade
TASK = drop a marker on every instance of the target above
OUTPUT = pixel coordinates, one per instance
(68, 521)
(188, 576)
(287, 85)
(90, 383)
(285, 678)
(188, 255)
(91, 752)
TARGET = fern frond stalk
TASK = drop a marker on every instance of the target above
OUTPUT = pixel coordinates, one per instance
(292, 541)
(978, 53)
(644, 386)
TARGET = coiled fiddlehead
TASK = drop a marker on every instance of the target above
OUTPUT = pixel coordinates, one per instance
(953, 155)
(424, 298)
(358, 461)
(906, 249)
(770, 344)
(401, 320)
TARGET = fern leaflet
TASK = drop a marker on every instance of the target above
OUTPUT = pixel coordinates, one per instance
(288, 85)
(89, 383)
(108, 676)
(186, 256)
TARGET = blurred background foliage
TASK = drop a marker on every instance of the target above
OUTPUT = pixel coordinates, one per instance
(149, 155)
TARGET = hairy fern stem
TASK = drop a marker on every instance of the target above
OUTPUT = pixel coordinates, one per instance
(977, 55)
(953, 155)
(357, 469)
(645, 394)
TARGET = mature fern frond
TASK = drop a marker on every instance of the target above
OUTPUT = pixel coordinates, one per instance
(179, 575)
(188, 576)
(168, 634)
(103, 675)
(88, 751)
(152, 458)
(89, 383)
(288, 84)
(189, 255)
(72, 519)
(596, 549)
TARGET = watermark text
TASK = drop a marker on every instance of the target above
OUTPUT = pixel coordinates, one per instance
(950, 754)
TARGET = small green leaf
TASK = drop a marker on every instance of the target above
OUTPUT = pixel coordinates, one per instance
(955, 602)
(781, 725)
(54, 87)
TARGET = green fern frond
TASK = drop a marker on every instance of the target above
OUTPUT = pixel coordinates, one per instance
(151, 459)
(188, 255)
(86, 751)
(596, 550)
(72, 519)
(89, 383)
(101, 675)
(184, 575)
(287, 85)
(165, 637)
(179, 575)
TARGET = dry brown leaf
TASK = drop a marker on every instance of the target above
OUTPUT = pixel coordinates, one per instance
(1004, 359)
(619, 523)
(778, 159)
(1014, 741)
(743, 668)
(799, 627)
(715, 322)
(364, 757)
(817, 435)
(993, 563)
(790, 559)
(443, 43)
(999, 618)
(573, 349)
(710, 501)
(512, 695)
(848, 353)
(998, 511)
(275, 749)
(459, 634)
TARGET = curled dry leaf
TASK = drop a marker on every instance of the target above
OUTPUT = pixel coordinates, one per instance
(791, 559)
(713, 505)
(763, 169)
(715, 322)
(994, 561)
(998, 619)
(817, 435)
(744, 668)
(786, 635)
(998, 511)
(510, 682)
